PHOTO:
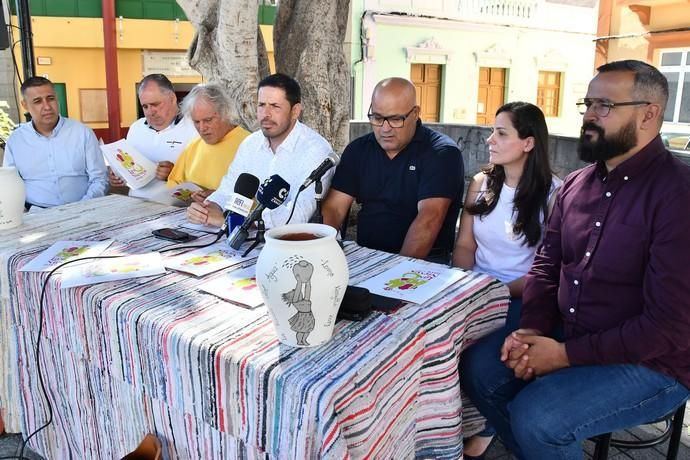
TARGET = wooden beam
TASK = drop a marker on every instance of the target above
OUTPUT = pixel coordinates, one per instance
(111, 80)
(642, 12)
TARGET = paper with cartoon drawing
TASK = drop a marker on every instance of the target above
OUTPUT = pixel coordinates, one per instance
(62, 251)
(120, 268)
(179, 195)
(128, 163)
(238, 286)
(412, 281)
(207, 260)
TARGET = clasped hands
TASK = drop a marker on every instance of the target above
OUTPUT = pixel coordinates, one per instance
(530, 354)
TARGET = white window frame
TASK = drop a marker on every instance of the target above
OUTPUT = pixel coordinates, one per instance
(683, 70)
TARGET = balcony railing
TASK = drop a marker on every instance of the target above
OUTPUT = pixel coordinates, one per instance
(509, 11)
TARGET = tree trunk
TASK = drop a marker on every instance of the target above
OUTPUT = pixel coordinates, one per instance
(308, 36)
(228, 49)
(308, 40)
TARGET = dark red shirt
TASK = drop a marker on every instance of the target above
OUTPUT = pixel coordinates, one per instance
(614, 266)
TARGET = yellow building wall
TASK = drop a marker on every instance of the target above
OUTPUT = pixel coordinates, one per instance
(75, 49)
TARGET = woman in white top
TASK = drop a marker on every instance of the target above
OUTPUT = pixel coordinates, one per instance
(503, 218)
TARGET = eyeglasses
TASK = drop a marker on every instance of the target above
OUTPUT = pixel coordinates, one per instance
(603, 107)
(394, 121)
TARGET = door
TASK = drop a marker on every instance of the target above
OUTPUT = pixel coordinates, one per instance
(427, 81)
(61, 94)
(492, 87)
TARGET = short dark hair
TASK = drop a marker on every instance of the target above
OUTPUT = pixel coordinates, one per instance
(293, 93)
(164, 84)
(33, 82)
(650, 84)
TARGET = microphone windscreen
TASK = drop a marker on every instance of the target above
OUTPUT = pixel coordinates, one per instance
(273, 192)
(247, 185)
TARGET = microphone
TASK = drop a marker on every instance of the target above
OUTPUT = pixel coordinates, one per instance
(272, 193)
(332, 160)
(240, 202)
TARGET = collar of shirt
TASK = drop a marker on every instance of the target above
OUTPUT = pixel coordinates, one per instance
(56, 130)
(418, 137)
(289, 144)
(635, 165)
(175, 121)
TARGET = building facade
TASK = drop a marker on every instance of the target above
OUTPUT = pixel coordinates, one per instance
(655, 31)
(152, 37)
(468, 57)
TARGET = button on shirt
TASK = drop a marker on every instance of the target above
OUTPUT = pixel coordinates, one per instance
(295, 158)
(613, 268)
(64, 167)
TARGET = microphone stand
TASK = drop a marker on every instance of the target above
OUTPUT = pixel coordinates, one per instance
(317, 218)
(258, 239)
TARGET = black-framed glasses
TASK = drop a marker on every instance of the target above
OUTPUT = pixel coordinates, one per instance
(394, 121)
(603, 107)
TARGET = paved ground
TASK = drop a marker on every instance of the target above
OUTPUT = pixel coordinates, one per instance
(498, 452)
(10, 445)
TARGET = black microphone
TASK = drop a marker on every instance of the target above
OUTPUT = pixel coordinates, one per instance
(332, 160)
(272, 193)
(240, 203)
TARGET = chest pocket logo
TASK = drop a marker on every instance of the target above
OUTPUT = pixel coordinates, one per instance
(413, 168)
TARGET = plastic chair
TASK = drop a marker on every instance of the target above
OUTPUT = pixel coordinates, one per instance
(673, 430)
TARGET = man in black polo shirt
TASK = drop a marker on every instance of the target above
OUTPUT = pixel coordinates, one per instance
(407, 177)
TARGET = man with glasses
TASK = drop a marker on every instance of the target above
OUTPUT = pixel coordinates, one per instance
(407, 178)
(604, 334)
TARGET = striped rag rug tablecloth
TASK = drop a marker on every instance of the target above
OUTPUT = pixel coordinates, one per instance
(210, 378)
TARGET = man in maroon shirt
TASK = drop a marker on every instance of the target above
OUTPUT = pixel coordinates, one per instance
(604, 338)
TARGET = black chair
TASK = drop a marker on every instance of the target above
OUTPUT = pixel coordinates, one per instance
(673, 430)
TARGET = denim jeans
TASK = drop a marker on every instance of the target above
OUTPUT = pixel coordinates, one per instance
(512, 323)
(549, 417)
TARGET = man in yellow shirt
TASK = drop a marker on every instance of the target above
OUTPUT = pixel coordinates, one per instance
(207, 157)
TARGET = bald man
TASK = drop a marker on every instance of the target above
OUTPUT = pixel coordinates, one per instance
(407, 178)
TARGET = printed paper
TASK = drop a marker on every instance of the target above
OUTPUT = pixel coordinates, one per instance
(62, 251)
(412, 281)
(238, 286)
(120, 268)
(207, 260)
(180, 195)
(200, 227)
(128, 163)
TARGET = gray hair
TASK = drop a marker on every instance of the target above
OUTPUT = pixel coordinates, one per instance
(211, 93)
(163, 83)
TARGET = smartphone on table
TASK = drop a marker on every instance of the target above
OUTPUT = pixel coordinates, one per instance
(171, 234)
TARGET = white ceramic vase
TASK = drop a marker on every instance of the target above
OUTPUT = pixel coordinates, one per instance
(11, 198)
(302, 282)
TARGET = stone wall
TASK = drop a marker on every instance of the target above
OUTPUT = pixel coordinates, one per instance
(475, 152)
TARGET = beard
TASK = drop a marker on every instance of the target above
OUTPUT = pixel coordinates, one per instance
(605, 148)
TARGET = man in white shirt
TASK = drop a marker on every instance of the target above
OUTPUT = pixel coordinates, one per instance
(161, 135)
(57, 158)
(283, 146)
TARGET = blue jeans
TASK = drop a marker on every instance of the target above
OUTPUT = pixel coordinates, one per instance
(512, 323)
(549, 417)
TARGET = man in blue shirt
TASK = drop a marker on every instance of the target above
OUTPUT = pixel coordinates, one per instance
(58, 158)
(407, 177)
